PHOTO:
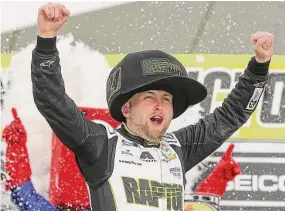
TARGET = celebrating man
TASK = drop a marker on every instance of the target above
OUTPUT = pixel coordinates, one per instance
(139, 166)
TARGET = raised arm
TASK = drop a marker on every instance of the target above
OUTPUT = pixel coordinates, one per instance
(202, 139)
(66, 120)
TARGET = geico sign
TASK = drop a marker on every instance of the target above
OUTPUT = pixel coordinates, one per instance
(263, 183)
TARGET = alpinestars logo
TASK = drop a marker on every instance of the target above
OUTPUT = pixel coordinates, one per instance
(260, 84)
(47, 63)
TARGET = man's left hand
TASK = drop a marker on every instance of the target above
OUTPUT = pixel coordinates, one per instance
(263, 43)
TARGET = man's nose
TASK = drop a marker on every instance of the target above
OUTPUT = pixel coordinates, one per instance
(158, 104)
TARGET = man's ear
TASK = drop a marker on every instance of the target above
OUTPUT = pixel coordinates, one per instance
(126, 110)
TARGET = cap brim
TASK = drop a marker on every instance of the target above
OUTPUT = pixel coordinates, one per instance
(185, 91)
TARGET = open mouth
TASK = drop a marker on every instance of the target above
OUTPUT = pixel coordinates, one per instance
(156, 119)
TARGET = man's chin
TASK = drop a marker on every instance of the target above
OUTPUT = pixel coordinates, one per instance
(157, 134)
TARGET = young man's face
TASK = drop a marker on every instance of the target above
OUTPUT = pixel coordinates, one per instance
(148, 114)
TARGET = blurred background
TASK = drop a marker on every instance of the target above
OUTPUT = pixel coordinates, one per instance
(212, 40)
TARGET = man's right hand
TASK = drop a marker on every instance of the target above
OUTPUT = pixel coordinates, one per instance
(51, 18)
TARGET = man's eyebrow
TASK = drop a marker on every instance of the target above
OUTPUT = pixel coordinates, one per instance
(166, 94)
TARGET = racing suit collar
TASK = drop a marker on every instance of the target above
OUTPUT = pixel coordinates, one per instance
(127, 133)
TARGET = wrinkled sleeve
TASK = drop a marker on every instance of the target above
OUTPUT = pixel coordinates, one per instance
(200, 140)
(84, 137)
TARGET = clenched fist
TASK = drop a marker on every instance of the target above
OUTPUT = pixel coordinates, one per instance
(263, 43)
(51, 18)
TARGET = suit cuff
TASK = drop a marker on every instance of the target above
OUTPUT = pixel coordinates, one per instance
(258, 69)
(46, 45)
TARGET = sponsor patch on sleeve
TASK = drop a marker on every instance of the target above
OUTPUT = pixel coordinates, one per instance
(254, 99)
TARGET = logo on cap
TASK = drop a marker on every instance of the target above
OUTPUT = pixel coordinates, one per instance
(161, 66)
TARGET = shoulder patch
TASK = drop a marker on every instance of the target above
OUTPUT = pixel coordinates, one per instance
(171, 139)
